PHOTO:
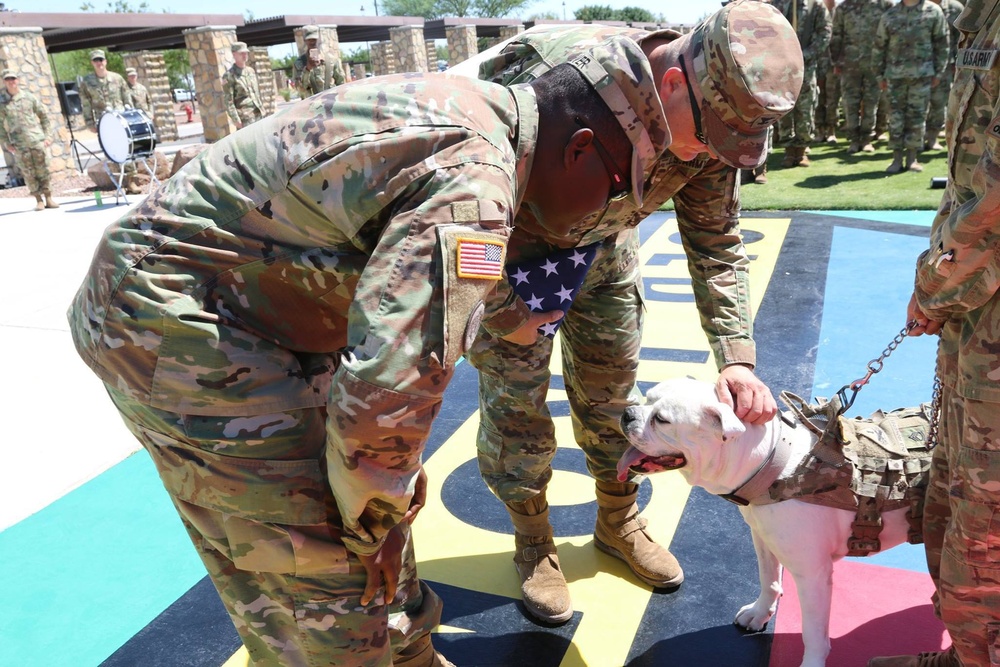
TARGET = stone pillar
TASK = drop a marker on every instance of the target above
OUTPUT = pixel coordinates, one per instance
(508, 31)
(383, 58)
(432, 55)
(23, 49)
(408, 43)
(151, 72)
(261, 63)
(210, 54)
(358, 71)
(461, 43)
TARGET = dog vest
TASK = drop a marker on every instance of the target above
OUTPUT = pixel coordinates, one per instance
(868, 466)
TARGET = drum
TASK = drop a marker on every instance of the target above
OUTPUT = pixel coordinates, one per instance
(126, 134)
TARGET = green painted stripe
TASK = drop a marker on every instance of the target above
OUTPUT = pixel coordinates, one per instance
(86, 573)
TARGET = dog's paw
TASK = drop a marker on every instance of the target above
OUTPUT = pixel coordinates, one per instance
(753, 617)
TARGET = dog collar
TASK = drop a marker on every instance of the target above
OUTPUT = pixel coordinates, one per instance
(767, 472)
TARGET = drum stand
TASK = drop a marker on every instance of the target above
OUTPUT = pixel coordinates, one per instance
(118, 178)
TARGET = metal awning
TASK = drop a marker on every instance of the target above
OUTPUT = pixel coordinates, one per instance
(280, 29)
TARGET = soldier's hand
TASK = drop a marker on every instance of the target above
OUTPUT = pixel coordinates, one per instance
(384, 566)
(527, 334)
(883, 84)
(922, 324)
(935, 81)
(419, 496)
(743, 391)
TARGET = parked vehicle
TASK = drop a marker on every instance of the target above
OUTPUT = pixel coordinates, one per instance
(183, 95)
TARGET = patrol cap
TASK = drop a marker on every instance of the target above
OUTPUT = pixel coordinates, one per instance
(97, 53)
(240, 47)
(310, 32)
(620, 73)
(129, 71)
(9, 74)
(747, 63)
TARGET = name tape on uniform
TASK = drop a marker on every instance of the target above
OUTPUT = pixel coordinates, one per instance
(976, 58)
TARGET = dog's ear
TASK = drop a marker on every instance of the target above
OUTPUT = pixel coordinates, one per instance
(724, 420)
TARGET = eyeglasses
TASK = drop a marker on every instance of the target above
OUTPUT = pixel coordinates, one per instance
(620, 187)
(699, 134)
(97, 60)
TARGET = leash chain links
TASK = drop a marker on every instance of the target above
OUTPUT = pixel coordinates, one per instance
(935, 420)
(874, 366)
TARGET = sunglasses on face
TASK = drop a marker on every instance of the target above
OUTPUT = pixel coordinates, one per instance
(620, 187)
(699, 134)
(97, 60)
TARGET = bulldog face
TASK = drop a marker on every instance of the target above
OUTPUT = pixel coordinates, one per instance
(682, 418)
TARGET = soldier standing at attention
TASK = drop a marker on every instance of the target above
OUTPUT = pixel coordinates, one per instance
(855, 23)
(239, 85)
(939, 94)
(721, 89)
(811, 22)
(957, 294)
(24, 131)
(909, 56)
(278, 322)
(316, 70)
(140, 96)
(103, 90)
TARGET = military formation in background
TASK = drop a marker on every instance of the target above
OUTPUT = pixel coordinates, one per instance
(240, 88)
(140, 96)
(24, 132)
(317, 69)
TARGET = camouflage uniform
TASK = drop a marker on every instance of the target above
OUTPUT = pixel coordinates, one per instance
(855, 23)
(911, 48)
(24, 125)
(811, 21)
(326, 75)
(957, 283)
(278, 322)
(939, 94)
(100, 94)
(242, 95)
(141, 98)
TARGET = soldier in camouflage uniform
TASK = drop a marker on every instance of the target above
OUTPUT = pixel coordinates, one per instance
(828, 87)
(140, 96)
(278, 322)
(720, 101)
(239, 86)
(908, 57)
(939, 94)
(811, 22)
(315, 70)
(103, 90)
(855, 23)
(957, 293)
(24, 132)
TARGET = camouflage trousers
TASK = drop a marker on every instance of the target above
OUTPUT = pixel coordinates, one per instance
(828, 102)
(33, 163)
(248, 115)
(861, 99)
(962, 527)
(939, 103)
(796, 127)
(600, 342)
(908, 100)
(245, 489)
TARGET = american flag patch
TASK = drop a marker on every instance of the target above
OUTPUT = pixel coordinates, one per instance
(480, 259)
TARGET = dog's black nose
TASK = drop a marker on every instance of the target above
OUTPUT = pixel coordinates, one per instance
(632, 418)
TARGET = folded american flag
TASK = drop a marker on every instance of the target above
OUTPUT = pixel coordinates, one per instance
(551, 282)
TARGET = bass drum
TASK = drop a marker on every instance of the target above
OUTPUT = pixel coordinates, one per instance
(126, 134)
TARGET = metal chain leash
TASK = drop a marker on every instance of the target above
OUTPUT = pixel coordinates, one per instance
(935, 420)
(874, 366)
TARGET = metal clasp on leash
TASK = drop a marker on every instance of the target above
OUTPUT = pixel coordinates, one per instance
(874, 366)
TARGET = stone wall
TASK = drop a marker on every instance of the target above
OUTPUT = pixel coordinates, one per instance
(23, 49)
(261, 63)
(461, 43)
(151, 71)
(383, 57)
(432, 55)
(358, 71)
(508, 31)
(408, 44)
(210, 54)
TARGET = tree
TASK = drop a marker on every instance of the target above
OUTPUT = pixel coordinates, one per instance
(596, 13)
(117, 7)
(423, 8)
(432, 9)
(637, 15)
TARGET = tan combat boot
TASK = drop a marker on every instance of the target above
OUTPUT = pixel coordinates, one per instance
(789, 159)
(49, 201)
(621, 533)
(931, 142)
(421, 653)
(897, 163)
(800, 157)
(853, 148)
(543, 585)
(911, 161)
(39, 204)
(931, 659)
(868, 148)
(760, 174)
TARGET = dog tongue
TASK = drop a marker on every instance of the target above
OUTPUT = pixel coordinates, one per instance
(628, 459)
(634, 460)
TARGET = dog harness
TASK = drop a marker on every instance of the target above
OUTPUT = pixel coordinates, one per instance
(868, 466)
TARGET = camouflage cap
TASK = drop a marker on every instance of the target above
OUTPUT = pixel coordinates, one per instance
(129, 71)
(619, 71)
(748, 65)
(240, 47)
(96, 53)
(9, 74)
(310, 32)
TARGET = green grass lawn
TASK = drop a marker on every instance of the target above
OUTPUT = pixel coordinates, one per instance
(838, 181)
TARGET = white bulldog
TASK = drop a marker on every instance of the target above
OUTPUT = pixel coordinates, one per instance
(684, 426)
